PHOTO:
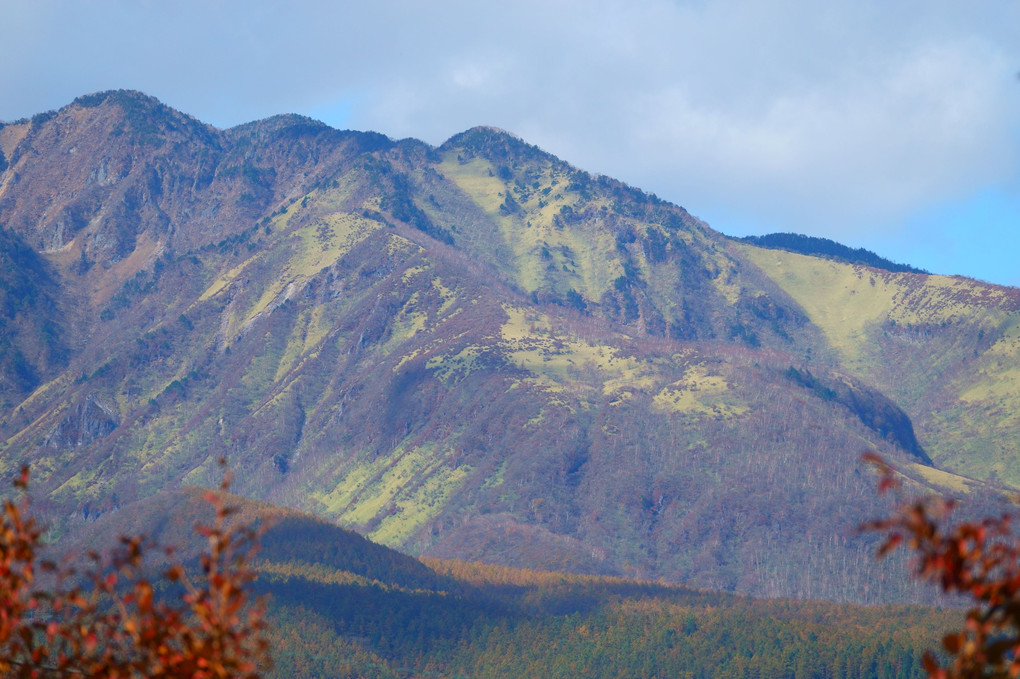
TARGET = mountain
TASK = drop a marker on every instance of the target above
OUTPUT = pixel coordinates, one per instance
(474, 350)
(341, 606)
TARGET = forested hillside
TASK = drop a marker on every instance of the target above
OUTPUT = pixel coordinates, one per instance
(341, 606)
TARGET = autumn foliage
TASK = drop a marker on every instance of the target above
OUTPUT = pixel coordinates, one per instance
(109, 622)
(977, 559)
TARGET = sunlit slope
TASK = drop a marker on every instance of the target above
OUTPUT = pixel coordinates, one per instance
(947, 349)
(603, 248)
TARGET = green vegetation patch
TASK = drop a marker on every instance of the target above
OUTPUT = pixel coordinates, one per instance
(700, 393)
(951, 483)
(477, 178)
(310, 329)
(976, 440)
(455, 367)
(922, 339)
(548, 253)
(996, 381)
(392, 497)
(408, 322)
(315, 245)
(846, 301)
(226, 279)
(413, 508)
(529, 341)
(448, 295)
(77, 484)
(282, 572)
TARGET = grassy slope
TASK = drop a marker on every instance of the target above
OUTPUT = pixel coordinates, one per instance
(543, 255)
(945, 348)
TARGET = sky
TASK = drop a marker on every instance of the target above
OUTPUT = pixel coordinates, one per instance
(893, 126)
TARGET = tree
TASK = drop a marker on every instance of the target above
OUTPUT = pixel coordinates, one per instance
(111, 624)
(977, 559)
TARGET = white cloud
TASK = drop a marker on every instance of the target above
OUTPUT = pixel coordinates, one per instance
(815, 116)
(869, 144)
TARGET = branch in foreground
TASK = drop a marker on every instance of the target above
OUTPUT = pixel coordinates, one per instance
(977, 559)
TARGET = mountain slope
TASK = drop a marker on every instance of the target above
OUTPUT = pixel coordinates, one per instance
(32, 345)
(943, 347)
(474, 350)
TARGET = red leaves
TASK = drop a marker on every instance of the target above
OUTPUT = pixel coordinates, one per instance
(980, 560)
(886, 474)
(117, 627)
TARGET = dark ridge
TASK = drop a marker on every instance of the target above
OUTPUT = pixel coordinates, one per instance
(416, 150)
(304, 539)
(292, 126)
(872, 408)
(829, 249)
(125, 98)
(27, 314)
(130, 100)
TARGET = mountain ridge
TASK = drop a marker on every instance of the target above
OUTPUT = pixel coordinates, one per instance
(440, 346)
(830, 249)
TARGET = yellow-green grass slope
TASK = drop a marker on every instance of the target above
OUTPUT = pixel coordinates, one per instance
(947, 349)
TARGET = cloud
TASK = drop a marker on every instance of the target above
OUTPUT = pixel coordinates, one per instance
(863, 145)
(816, 117)
(787, 110)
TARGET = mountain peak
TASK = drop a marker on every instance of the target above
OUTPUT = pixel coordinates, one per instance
(282, 121)
(448, 347)
(496, 145)
(125, 98)
(484, 131)
(146, 115)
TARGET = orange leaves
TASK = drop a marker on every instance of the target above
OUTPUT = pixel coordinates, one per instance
(116, 625)
(976, 559)
(886, 474)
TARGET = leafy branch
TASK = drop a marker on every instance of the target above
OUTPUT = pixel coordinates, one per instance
(114, 625)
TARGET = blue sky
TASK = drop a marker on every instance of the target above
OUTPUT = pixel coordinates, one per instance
(892, 126)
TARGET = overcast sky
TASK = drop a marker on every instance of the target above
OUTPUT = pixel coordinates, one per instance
(889, 125)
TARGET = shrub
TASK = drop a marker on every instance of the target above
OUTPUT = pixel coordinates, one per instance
(977, 559)
(112, 624)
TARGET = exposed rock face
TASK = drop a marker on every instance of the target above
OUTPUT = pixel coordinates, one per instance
(88, 421)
